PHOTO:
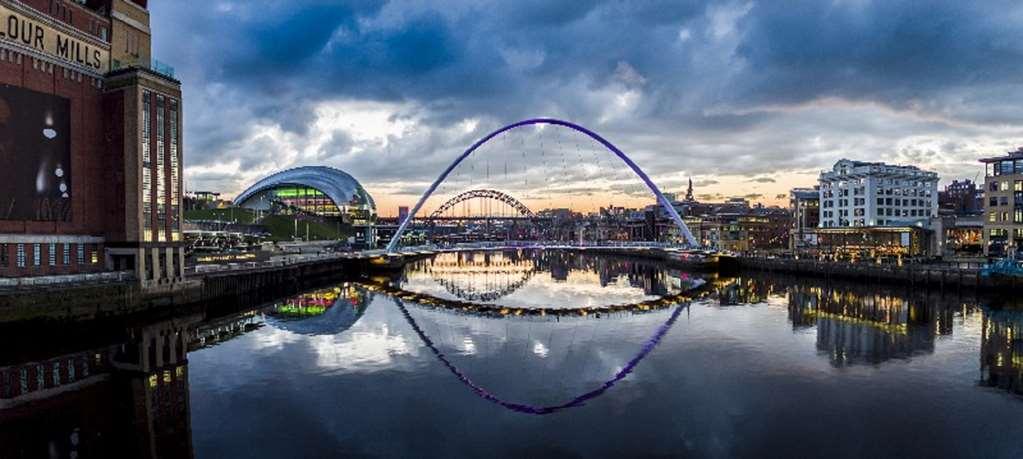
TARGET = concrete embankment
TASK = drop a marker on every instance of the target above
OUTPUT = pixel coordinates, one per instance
(97, 300)
(909, 273)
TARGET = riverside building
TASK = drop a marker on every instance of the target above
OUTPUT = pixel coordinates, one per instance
(1003, 204)
(856, 193)
(90, 144)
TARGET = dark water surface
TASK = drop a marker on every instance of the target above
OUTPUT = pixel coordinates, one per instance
(758, 366)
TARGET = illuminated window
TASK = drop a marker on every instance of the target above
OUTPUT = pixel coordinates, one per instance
(147, 172)
(37, 254)
(52, 254)
(1003, 185)
(67, 253)
(20, 256)
(175, 193)
(161, 171)
(146, 122)
(992, 217)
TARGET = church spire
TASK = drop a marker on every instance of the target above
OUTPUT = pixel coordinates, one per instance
(689, 192)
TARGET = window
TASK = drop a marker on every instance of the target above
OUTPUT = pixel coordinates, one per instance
(1003, 185)
(20, 256)
(80, 255)
(993, 186)
(37, 254)
(161, 171)
(992, 217)
(94, 254)
(67, 253)
(52, 254)
(4, 260)
(1018, 186)
(993, 201)
(1003, 201)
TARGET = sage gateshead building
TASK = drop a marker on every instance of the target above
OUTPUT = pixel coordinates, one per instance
(319, 192)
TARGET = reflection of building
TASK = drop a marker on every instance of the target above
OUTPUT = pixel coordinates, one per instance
(326, 311)
(869, 327)
(316, 192)
(1003, 204)
(856, 193)
(1001, 351)
(126, 400)
(90, 144)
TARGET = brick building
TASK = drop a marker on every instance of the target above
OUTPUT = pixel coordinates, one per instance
(90, 143)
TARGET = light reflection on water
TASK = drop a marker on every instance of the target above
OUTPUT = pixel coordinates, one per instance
(767, 365)
(536, 278)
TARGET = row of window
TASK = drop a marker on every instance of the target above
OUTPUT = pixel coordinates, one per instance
(32, 254)
(1003, 185)
(898, 202)
(1002, 233)
(19, 382)
(844, 222)
(882, 212)
(1001, 201)
(1005, 217)
(1006, 167)
(888, 182)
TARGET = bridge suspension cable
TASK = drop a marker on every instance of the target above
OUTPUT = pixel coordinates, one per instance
(661, 199)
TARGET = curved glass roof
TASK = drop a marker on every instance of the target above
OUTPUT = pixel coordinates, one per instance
(336, 184)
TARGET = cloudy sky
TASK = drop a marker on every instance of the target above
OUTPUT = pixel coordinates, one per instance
(750, 98)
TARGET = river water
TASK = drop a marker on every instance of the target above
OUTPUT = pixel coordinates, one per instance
(453, 358)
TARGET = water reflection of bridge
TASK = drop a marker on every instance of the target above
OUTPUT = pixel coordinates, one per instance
(491, 275)
(481, 277)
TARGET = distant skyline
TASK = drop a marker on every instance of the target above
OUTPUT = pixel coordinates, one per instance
(750, 98)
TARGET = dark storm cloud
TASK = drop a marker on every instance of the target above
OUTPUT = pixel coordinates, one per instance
(711, 80)
(897, 52)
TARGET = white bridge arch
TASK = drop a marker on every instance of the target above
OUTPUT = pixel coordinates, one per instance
(665, 204)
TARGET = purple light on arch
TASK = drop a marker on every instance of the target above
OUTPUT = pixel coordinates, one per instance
(690, 240)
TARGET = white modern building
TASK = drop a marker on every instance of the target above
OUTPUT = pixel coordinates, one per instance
(857, 193)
